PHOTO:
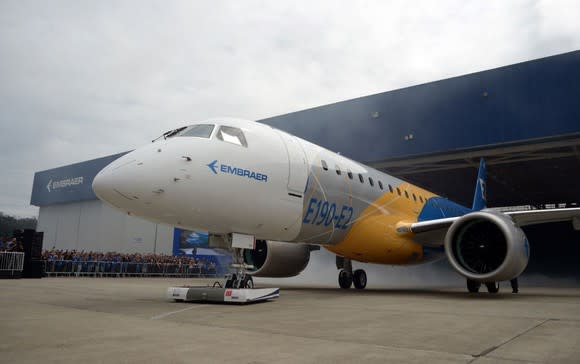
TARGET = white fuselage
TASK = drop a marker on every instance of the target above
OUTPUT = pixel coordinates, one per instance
(239, 176)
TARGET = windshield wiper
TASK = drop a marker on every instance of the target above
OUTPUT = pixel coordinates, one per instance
(170, 133)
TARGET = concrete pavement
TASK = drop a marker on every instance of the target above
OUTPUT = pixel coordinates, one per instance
(129, 320)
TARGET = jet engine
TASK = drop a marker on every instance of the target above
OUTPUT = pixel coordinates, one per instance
(487, 246)
(277, 259)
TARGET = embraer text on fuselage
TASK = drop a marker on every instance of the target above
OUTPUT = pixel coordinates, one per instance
(242, 172)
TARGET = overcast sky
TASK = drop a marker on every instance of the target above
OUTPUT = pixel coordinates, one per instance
(85, 79)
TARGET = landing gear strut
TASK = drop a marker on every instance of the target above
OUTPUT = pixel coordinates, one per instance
(346, 277)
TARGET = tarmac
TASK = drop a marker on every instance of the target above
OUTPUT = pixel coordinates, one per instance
(129, 320)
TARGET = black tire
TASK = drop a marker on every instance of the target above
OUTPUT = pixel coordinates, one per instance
(492, 287)
(248, 282)
(473, 286)
(344, 279)
(360, 279)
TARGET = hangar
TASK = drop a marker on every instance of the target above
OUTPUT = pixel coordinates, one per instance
(524, 118)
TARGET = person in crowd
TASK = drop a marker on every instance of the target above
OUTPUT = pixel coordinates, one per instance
(19, 246)
(12, 245)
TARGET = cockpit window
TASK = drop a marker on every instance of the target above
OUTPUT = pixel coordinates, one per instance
(200, 131)
(232, 135)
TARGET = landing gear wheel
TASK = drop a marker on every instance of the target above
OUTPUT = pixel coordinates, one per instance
(247, 282)
(344, 279)
(360, 279)
(473, 286)
(492, 287)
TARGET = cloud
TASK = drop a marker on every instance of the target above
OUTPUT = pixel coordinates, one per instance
(84, 79)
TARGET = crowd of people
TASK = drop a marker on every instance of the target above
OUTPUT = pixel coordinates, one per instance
(114, 263)
(74, 255)
(77, 262)
(80, 262)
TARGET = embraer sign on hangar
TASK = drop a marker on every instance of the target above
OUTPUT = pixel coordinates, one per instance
(69, 183)
(53, 185)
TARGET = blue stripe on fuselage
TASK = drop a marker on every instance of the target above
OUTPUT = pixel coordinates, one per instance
(439, 208)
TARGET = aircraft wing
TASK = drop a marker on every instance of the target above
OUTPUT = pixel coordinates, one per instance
(532, 217)
(433, 232)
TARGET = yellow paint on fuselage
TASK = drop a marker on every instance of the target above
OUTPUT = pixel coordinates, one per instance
(373, 237)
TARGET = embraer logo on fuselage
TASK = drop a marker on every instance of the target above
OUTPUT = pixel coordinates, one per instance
(216, 167)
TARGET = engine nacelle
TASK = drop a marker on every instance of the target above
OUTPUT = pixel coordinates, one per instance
(487, 246)
(277, 259)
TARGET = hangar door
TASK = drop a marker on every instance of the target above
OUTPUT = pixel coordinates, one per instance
(298, 170)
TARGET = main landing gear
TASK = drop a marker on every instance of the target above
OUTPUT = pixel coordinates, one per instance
(346, 277)
(473, 286)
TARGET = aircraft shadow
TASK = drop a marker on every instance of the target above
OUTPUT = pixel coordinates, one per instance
(437, 292)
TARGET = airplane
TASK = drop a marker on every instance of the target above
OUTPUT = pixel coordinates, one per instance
(274, 198)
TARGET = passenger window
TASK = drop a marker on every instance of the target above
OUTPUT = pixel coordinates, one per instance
(360, 177)
(381, 185)
(232, 135)
(414, 197)
(421, 199)
(349, 174)
(324, 165)
(406, 194)
(390, 188)
(371, 182)
(338, 171)
(200, 131)
(398, 191)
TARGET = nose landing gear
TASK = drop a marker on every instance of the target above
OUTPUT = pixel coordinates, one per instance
(239, 279)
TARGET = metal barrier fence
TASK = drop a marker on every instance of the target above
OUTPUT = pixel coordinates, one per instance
(73, 268)
(11, 263)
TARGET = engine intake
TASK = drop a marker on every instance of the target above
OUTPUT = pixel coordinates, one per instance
(487, 246)
(277, 259)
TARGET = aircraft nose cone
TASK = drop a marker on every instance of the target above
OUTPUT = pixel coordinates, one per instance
(104, 185)
(113, 184)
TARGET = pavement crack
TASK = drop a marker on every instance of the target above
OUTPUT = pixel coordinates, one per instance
(495, 347)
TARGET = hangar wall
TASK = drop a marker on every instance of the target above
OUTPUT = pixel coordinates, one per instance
(94, 226)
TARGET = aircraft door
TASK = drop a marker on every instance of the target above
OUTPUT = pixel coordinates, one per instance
(298, 169)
